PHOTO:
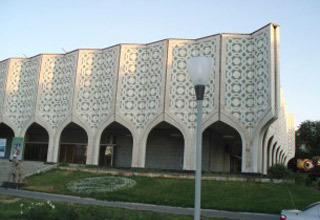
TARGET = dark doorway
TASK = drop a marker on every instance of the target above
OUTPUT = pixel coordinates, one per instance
(6, 135)
(116, 146)
(165, 148)
(36, 143)
(222, 149)
(73, 144)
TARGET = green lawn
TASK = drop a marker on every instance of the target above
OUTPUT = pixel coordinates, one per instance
(233, 196)
(10, 210)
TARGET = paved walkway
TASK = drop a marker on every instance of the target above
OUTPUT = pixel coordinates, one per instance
(27, 168)
(137, 206)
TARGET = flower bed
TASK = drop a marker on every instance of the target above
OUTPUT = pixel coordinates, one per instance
(100, 184)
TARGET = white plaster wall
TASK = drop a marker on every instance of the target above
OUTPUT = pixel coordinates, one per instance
(141, 85)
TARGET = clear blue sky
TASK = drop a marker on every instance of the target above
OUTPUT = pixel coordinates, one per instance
(31, 27)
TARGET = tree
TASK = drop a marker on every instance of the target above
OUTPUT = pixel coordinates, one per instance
(308, 135)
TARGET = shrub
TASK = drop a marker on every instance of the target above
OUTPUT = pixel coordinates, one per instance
(278, 171)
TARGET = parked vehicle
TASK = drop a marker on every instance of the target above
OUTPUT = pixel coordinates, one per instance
(312, 212)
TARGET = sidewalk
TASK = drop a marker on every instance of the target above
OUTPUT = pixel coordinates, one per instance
(28, 168)
(136, 206)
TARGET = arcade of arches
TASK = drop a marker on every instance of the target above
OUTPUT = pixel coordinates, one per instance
(222, 146)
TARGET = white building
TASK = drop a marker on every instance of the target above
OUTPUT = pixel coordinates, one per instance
(133, 105)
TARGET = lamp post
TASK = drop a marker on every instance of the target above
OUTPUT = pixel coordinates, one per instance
(200, 69)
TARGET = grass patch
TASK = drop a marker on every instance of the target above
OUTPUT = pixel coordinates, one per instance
(233, 196)
(11, 211)
(10, 208)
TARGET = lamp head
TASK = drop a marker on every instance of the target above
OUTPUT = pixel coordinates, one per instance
(200, 69)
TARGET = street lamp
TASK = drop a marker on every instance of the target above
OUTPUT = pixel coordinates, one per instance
(200, 69)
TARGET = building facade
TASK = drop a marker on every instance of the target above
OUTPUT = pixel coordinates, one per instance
(133, 105)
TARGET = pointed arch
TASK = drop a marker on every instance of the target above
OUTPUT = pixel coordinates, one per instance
(188, 163)
(277, 154)
(36, 140)
(280, 156)
(273, 155)
(165, 147)
(222, 148)
(283, 156)
(6, 134)
(285, 161)
(116, 144)
(269, 148)
(73, 144)
(245, 140)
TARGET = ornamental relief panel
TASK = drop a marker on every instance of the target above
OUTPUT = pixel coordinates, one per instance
(262, 68)
(246, 73)
(181, 97)
(3, 74)
(239, 79)
(96, 82)
(21, 91)
(141, 82)
(56, 88)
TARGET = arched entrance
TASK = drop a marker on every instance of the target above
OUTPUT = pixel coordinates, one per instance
(73, 144)
(116, 146)
(222, 148)
(165, 147)
(274, 153)
(269, 148)
(36, 143)
(277, 155)
(6, 135)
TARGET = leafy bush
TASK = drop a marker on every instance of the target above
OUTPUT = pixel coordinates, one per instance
(278, 171)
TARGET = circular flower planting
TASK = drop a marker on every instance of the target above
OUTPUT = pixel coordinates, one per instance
(100, 184)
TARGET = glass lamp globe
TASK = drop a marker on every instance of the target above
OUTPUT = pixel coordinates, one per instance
(200, 69)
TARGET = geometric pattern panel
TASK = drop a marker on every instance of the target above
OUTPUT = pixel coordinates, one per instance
(262, 72)
(142, 76)
(182, 100)
(97, 71)
(247, 77)
(3, 74)
(56, 88)
(21, 90)
(239, 78)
